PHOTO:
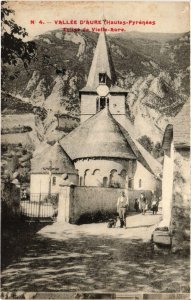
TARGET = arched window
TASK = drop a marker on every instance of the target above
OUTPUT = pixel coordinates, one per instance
(123, 173)
(54, 180)
(113, 178)
(140, 183)
(102, 78)
(130, 183)
(95, 171)
(105, 179)
(86, 175)
(81, 180)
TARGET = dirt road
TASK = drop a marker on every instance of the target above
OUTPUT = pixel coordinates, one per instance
(64, 257)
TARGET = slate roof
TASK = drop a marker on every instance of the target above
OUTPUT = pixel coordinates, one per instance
(59, 158)
(178, 130)
(142, 155)
(101, 63)
(99, 136)
(153, 163)
(102, 136)
(181, 127)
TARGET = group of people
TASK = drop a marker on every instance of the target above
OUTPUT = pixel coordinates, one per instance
(141, 205)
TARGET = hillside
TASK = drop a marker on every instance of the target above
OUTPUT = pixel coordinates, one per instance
(154, 68)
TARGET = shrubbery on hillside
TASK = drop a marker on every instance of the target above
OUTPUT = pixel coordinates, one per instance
(154, 149)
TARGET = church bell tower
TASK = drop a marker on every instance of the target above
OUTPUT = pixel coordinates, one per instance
(101, 89)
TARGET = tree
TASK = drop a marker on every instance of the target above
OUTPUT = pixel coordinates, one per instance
(154, 149)
(146, 142)
(13, 48)
(157, 150)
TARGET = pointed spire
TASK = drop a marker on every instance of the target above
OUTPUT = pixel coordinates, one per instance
(102, 63)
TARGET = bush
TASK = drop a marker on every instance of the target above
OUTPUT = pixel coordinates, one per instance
(15, 129)
(97, 217)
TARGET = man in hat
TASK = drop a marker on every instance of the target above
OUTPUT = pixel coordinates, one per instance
(122, 204)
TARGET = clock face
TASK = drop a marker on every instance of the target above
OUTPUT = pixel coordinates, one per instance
(102, 90)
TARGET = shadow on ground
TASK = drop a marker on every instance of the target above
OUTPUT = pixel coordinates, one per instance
(93, 263)
(16, 236)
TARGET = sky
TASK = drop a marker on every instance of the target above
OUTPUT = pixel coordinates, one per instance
(169, 17)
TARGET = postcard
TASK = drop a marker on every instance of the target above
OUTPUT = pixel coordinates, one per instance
(95, 150)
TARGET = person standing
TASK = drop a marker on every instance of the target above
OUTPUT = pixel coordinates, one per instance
(122, 204)
(136, 205)
(154, 205)
(143, 202)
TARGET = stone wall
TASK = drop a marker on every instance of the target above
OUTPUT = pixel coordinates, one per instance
(66, 123)
(143, 179)
(88, 106)
(105, 172)
(117, 104)
(39, 184)
(180, 213)
(94, 200)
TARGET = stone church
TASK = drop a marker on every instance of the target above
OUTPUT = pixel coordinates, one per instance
(101, 150)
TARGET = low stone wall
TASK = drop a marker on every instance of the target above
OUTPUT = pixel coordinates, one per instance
(180, 213)
(66, 123)
(99, 200)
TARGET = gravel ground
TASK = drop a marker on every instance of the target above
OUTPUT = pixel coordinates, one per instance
(70, 258)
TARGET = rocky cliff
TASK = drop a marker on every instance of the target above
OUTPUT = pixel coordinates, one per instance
(154, 68)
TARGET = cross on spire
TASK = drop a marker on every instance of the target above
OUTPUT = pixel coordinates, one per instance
(103, 18)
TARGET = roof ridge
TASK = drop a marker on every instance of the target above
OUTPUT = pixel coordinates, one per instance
(57, 155)
(81, 125)
(137, 152)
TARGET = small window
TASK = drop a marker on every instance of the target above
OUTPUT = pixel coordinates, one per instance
(102, 102)
(102, 78)
(130, 183)
(97, 104)
(54, 180)
(140, 183)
